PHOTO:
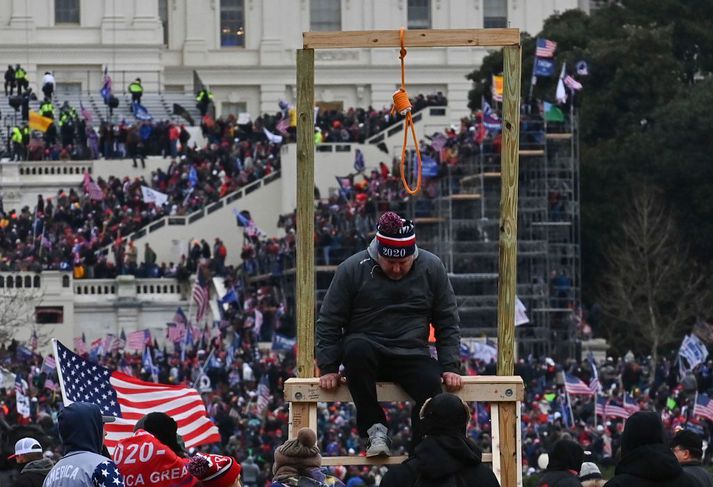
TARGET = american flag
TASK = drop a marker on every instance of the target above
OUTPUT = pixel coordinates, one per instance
(113, 343)
(263, 394)
(201, 296)
(601, 406)
(129, 399)
(177, 328)
(594, 384)
(545, 48)
(137, 340)
(48, 364)
(576, 386)
(439, 142)
(80, 345)
(92, 188)
(616, 409)
(703, 407)
(283, 125)
(630, 404)
(572, 83)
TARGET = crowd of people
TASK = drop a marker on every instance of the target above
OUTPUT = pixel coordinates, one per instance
(242, 373)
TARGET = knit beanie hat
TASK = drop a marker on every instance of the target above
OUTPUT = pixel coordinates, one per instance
(163, 427)
(642, 428)
(589, 471)
(395, 236)
(444, 414)
(566, 455)
(214, 470)
(301, 453)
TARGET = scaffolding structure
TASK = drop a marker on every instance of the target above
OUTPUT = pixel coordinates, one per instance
(461, 226)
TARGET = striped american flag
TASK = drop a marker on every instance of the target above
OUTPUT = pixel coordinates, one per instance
(545, 48)
(137, 340)
(601, 406)
(572, 83)
(283, 125)
(92, 188)
(615, 409)
(129, 399)
(576, 386)
(201, 298)
(80, 345)
(703, 407)
(630, 404)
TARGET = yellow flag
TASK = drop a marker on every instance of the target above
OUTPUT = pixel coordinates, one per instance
(497, 87)
(38, 122)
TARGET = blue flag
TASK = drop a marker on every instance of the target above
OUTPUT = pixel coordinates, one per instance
(281, 343)
(193, 176)
(140, 112)
(429, 167)
(230, 297)
(544, 67)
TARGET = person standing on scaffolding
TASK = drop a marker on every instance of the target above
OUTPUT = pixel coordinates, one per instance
(375, 320)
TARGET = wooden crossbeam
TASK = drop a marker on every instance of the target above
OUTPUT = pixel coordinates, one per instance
(555, 136)
(412, 38)
(477, 388)
(532, 152)
(463, 197)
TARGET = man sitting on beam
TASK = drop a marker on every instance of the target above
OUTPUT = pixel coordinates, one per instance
(375, 321)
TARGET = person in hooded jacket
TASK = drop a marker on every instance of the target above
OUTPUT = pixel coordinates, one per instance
(445, 457)
(81, 430)
(565, 460)
(645, 459)
(688, 448)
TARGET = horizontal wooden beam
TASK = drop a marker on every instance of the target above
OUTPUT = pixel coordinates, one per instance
(395, 460)
(478, 388)
(412, 38)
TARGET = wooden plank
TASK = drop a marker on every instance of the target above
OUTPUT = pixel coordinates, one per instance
(531, 152)
(428, 220)
(495, 439)
(395, 460)
(507, 261)
(507, 425)
(478, 388)
(554, 136)
(464, 197)
(305, 295)
(302, 415)
(412, 38)
(476, 177)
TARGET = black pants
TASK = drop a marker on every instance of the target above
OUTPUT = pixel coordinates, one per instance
(420, 377)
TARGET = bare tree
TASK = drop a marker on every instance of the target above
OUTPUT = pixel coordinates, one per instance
(651, 290)
(17, 313)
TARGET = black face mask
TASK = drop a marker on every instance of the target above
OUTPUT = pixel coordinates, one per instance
(19, 466)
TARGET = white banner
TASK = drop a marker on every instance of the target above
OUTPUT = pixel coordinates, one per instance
(520, 313)
(692, 353)
(21, 397)
(153, 196)
(275, 139)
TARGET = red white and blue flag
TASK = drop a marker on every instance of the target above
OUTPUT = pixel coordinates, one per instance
(576, 386)
(129, 399)
(703, 407)
(545, 48)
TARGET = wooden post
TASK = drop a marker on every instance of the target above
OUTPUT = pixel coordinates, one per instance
(305, 294)
(507, 262)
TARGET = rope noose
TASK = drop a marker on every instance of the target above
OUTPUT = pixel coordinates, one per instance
(402, 105)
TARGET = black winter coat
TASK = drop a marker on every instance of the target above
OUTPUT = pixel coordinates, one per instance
(650, 466)
(442, 462)
(33, 474)
(559, 478)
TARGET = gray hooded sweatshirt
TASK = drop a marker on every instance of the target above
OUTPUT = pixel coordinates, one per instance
(363, 303)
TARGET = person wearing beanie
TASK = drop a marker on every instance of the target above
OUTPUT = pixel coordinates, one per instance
(374, 321)
(590, 475)
(688, 448)
(298, 461)
(446, 457)
(645, 459)
(214, 470)
(565, 461)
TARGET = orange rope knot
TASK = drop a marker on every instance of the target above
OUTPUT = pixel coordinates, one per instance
(402, 105)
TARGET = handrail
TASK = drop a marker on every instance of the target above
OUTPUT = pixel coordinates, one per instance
(174, 220)
(440, 111)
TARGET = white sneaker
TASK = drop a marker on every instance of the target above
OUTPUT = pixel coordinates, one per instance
(378, 443)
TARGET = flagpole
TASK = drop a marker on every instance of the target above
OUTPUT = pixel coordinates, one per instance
(533, 80)
(205, 365)
(566, 393)
(65, 400)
